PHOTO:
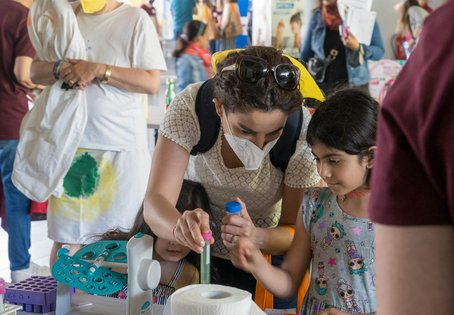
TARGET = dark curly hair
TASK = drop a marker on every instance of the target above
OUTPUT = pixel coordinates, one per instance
(238, 96)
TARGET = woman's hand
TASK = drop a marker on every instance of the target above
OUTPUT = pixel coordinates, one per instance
(80, 73)
(189, 228)
(351, 42)
(239, 226)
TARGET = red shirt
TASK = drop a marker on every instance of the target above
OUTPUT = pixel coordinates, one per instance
(14, 42)
(413, 176)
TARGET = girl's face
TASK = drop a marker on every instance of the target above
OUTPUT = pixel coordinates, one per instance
(342, 172)
(256, 126)
(170, 251)
(204, 40)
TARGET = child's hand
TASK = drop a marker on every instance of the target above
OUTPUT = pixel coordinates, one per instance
(239, 226)
(331, 311)
(243, 253)
(189, 228)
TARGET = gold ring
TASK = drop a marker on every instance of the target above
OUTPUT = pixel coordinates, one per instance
(71, 82)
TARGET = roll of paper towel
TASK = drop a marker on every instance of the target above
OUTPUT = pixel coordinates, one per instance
(211, 299)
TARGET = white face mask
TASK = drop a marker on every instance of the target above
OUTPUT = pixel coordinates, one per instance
(249, 154)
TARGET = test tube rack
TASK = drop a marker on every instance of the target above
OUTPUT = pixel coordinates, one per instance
(35, 295)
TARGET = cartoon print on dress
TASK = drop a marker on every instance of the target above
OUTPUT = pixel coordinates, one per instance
(346, 292)
(335, 232)
(370, 226)
(316, 206)
(356, 263)
(321, 283)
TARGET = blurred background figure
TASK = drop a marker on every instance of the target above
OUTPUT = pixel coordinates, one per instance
(348, 65)
(231, 20)
(409, 27)
(193, 56)
(203, 13)
(151, 10)
(182, 14)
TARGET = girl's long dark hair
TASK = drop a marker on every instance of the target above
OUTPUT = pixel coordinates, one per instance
(192, 195)
(347, 121)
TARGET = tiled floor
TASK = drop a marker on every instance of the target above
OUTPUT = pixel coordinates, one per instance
(39, 250)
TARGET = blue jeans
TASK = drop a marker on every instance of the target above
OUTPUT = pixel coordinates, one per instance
(17, 210)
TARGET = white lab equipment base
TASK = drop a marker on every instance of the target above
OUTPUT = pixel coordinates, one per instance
(85, 304)
(144, 274)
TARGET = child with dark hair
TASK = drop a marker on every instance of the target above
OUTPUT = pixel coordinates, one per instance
(193, 57)
(179, 265)
(334, 235)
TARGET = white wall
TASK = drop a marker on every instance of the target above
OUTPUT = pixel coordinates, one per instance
(387, 19)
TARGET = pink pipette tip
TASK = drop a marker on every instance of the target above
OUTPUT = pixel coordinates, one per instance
(206, 235)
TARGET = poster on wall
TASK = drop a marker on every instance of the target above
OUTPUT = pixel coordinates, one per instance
(383, 73)
(278, 23)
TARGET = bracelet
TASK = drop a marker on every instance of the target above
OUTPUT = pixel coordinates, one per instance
(107, 73)
(56, 69)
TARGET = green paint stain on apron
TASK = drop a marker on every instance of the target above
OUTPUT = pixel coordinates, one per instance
(82, 179)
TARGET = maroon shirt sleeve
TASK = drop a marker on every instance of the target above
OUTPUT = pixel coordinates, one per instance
(23, 47)
(413, 177)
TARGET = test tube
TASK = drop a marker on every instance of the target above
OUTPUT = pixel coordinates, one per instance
(205, 273)
(233, 208)
(2, 293)
(98, 262)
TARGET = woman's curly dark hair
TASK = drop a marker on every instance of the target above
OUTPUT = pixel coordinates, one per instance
(266, 95)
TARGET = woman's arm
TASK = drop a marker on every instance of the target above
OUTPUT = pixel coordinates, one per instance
(283, 281)
(22, 66)
(376, 49)
(83, 72)
(170, 161)
(225, 16)
(415, 269)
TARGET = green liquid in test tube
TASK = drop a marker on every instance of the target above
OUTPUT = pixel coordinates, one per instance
(205, 274)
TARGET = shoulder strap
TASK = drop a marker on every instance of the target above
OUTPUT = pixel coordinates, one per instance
(209, 121)
(210, 124)
(284, 148)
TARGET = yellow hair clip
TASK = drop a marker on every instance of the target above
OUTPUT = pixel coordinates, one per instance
(308, 87)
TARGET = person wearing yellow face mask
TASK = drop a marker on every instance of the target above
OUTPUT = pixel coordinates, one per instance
(92, 6)
(106, 183)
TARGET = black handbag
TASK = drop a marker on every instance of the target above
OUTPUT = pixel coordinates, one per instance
(317, 66)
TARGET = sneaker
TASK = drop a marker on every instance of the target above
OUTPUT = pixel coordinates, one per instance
(32, 270)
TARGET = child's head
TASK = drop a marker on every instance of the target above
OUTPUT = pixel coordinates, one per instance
(342, 137)
(192, 195)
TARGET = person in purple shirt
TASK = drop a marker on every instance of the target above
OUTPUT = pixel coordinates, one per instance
(412, 198)
(17, 54)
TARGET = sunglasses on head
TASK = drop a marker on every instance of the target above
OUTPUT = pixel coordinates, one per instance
(250, 69)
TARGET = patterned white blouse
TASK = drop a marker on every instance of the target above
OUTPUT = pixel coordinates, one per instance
(260, 189)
